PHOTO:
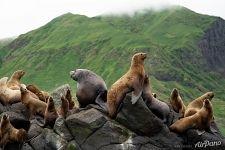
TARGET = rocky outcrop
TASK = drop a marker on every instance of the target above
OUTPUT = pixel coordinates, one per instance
(212, 46)
(135, 127)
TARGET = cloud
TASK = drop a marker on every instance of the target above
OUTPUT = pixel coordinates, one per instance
(20, 16)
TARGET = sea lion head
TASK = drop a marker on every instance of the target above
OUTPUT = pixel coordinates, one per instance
(208, 95)
(79, 73)
(19, 73)
(207, 104)
(139, 57)
(50, 104)
(4, 121)
(23, 89)
(174, 100)
(34, 89)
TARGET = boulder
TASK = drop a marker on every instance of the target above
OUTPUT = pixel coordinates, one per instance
(58, 93)
(139, 118)
(48, 140)
(61, 129)
(82, 124)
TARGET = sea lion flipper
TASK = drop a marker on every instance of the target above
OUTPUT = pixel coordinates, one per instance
(212, 129)
(100, 101)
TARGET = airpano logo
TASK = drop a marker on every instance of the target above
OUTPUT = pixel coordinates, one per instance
(207, 143)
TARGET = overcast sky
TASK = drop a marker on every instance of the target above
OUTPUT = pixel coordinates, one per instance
(20, 16)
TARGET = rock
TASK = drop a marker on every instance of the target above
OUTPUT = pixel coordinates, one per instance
(38, 142)
(17, 120)
(82, 124)
(2, 108)
(61, 129)
(48, 140)
(34, 131)
(12, 146)
(54, 141)
(72, 145)
(196, 141)
(139, 118)
(26, 146)
(109, 134)
(20, 108)
(58, 93)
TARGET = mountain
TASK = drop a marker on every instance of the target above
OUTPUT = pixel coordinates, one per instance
(185, 50)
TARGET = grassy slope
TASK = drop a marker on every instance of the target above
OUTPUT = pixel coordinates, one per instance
(105, 45)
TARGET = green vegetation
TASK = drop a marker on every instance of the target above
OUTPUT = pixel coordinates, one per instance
(105, 44)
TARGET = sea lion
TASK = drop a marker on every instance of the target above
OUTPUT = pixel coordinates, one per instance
(34, 105)
(64, 108)
(50, 113)
(133, 81)
(196, 104)
(69, 98)
(159, 108)
(42, 95)
(177, 103)
(9, 134)
(89, 85)
(200, 120)
(14, 81)
(7, 95)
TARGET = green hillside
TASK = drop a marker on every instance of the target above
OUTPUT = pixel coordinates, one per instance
(105, 44)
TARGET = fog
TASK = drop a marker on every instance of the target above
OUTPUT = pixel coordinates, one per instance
(20, 16)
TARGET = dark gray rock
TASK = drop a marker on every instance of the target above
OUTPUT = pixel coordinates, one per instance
(82, 124)
(109, 133)
(38, 142)
(54, 141)
(139, 118)
(26, 146)
(20, 109)
(34, 131)
(72, 145)
(48, 140)
(61, 129)
(2, 108)
(215, 141)
(58, 93)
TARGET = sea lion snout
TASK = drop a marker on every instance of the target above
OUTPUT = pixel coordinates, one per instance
(71, 73)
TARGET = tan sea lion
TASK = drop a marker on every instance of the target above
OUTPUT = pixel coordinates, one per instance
(42, 95)
(200, 120)
(50, 113)
(7, 95)
(177, 102)
(9, 134)
(89, 85)
(196, 104)
(34, 105)
(133, 81)
(14, 81)
(159, 108)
